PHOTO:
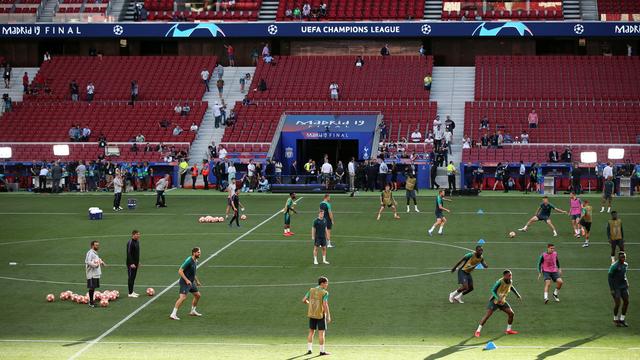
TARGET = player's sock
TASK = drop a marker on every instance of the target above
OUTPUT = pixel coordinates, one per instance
(321, 348)
(193, 308)
(479, 328)
(440, 230)
(408, 208)
(613, 259)
(546, 295)
(416, 208)
(315, 260)
(555, 233)
(310, 346)
(174, 312)
(616, 318)
(432, 228)
(622, 317)
(608, 209)
(508, 327)
(556, 291)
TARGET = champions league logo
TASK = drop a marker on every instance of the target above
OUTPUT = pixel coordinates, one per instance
(179, 33)
(484, 30)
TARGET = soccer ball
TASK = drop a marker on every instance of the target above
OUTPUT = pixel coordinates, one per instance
(209, 219)
(50, 298)
(117, 293)
(201, 219)
(220, 219)
(104, 302)
(85, 300)
(243, 217)
(64, 296)
(97, 295)
(512, 234)
(151, 292)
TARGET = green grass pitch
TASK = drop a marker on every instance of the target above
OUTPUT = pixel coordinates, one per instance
(389, 281)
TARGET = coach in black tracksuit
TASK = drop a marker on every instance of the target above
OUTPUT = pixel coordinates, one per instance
(133, 260)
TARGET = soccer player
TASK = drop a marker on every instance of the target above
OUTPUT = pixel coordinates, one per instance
(231, 189)
(319, 233)
(498, 300)
(607, 194)
(615, 234)
(440, 219)
(289, 206)
(237, 206)
(188, 284)
(133, 260)
(325, 206)
(387, 200)
(575, 211)
(544, 214)
(93, 270)
(549, 266)
(585, 221)
(467, 264)
(619, 287)
(411, 189)
(318, 312)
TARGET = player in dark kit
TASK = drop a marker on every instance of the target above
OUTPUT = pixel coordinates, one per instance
(619, 287)
(235, 205)
(544, 214)
(325, 206)
(188, 284)
(467, 264)
(498, 300)
(288, 208)
(319, 233)
(440, 219)
(133, 260)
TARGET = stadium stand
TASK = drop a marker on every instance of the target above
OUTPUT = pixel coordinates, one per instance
(257, 123)
(308, 78)
(242, 11)
(539, 153)
(348, 10)
(502, 10)
(619, 10)
(112, 76)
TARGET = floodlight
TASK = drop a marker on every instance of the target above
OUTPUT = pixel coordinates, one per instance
(5, 152)
(61, 150)
(616, 154)
(588, 157)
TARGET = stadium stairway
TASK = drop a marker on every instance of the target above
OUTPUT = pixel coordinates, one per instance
(207, 131)
(16, 89)
(49, 10)
(116, 7)
(589, 10)
(452, 87)
(269, 10)
(128, 9)
(433, 9)
(571, 9)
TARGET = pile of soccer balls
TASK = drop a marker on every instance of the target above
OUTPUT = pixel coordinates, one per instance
(216, 219)
(103, 297)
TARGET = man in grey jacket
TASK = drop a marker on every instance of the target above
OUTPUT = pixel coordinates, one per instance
(56, 176)
(93, 270)
(161, 186)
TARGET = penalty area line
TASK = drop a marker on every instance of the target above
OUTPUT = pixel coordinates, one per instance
(91, 343)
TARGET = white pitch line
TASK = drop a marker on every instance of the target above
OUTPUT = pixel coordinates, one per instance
(107, 236)
(143, 306)
(171, 343)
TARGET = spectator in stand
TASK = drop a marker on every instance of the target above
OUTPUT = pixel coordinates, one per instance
(73, 133)
(102, 141)
(524, 137)
(91, 90)
(134, 91)
(231, 55)
(86, 133)
(204, 74)
(254, 56)
(484, 123)
(140, 138)
(25, 82)
(334, 90)
(222, 152)
(134, 147)
(428, 139)
(466, 142)
(566, 155)
(499, 140)
(220, 86)
(243, 81)
(448, 138)
(46, 57)
(148, 148)
(484, 140)
(297, 14)
(323, 9)
(186, 109)
(218, 71)
(74, 89)
(262, 86)
(177, 130)
(385, 50)
(533, 119)
(269, 60)
(265, 50)
(422, 51)
(383, 130)
(359, 62)
(427, 82)
(553, 156)
(177, 110)
(449, 124)
(288, 13)
(306, 10)
(231, 119)
(217, 114)
(438, 133)
(8, 103)
(6, 75)
(416, 136)
(164, 123)
(194, 127)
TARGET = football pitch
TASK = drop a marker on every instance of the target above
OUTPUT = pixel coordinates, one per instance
(388, 280)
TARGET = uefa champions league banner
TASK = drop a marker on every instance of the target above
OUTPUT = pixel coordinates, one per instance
(359, 127)
(322, 29)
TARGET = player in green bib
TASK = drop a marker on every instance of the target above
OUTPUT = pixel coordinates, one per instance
(498, 300)
(188, 284)
(387, 200)
(288, 208)
(317, 299)
(544, 214)
(467, 264)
